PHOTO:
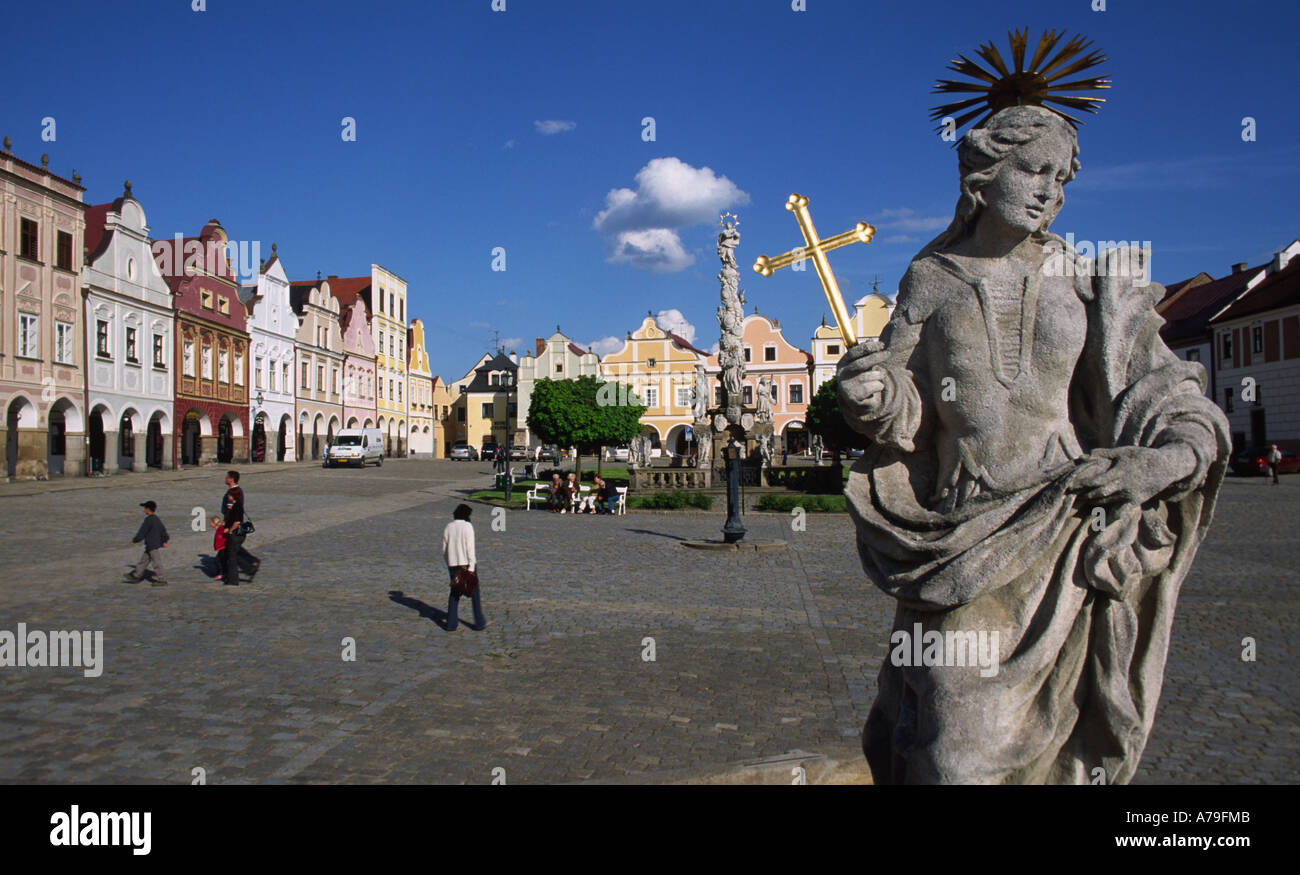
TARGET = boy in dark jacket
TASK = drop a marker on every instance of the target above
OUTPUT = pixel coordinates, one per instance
(154, 535)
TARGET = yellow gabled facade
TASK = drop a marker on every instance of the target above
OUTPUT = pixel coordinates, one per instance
(388, 324)
(419, 393)
(660, 368)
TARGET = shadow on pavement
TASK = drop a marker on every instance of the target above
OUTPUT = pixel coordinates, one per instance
(660, 534)
(429, 612)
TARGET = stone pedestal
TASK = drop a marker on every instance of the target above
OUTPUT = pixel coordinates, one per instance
(139, 461)
(32, 461)
(74, 459)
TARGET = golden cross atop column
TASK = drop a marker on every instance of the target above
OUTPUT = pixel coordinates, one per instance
(816, 250)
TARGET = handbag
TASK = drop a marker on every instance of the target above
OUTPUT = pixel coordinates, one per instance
(246, 527)
(465, 582)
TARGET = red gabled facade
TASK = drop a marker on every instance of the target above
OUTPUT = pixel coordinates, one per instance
(211, 355)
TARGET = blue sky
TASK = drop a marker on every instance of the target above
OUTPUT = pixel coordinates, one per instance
(236, 113)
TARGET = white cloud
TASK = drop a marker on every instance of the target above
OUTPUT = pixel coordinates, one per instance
(512, 342)
(909, 220)
(641, 226)
(480, 325)
(656, 249)
(713, 350)
(509, 144)
(606, 345)
(553, 126)
(673, 320)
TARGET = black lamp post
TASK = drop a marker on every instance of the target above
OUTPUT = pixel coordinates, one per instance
(733, 530)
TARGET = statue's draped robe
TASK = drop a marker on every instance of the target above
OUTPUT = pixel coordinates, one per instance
(1083, 616)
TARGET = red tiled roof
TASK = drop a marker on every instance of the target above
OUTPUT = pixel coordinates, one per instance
(348, 288)
(1282, 289)
(1172, 290)
(1189, 315)
(577, 350)
(96, 238)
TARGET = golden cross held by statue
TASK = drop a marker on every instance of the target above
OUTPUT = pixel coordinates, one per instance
(816, 250)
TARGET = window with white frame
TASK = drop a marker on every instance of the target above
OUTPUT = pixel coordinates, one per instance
(769, 353)
(239, 369)
(207, 362)
(187, 356)
(796, 393)
(651, 395)
(257, 372)
(101, 338)
(130, 345)
(158, 352)
(683, 396)
(63, 343)
(223, 366)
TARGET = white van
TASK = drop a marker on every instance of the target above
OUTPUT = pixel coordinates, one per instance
(356, 446)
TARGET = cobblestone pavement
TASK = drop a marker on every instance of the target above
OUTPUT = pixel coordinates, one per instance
(755, 654)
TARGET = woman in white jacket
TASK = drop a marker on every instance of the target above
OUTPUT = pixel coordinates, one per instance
(458, 553)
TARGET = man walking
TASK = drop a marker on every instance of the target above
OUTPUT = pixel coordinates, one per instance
(154, 535)
(232, 516)
(458, 553)
(1274, 461)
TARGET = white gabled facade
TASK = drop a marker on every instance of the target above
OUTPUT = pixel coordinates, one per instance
(129, 328)
(272, 327)
(556, 358)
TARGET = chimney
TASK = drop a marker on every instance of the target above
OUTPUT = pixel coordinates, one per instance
(1239, 267)
(541, 345)
(332, 276)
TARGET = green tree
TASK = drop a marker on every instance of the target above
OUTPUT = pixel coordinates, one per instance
(825, 419)
(585, 413)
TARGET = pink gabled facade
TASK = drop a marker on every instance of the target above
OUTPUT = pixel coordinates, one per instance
(769, 354)
(358, 366)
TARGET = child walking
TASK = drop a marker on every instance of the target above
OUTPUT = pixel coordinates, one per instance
(154, 535)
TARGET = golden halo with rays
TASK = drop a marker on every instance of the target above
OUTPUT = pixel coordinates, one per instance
(1034, 84)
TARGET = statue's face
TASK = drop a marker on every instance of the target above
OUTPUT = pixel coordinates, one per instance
(1028, 184)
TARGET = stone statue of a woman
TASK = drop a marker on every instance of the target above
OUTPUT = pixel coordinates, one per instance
(1042, 471)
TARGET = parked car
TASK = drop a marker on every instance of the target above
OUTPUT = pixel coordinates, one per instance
(356, 446)
(463, 452)
(1255, 461)
(616, 454)
(488, 450)
(547, 454)
(518, 452)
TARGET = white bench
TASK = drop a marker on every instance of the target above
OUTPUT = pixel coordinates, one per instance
(621, 507)
(539, 492)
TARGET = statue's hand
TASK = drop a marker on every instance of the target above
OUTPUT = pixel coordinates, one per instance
(1131, 475)
(862, 380)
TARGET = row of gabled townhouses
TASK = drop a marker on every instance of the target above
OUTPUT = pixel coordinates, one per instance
(492, 400)
(1244, 328)
(120, 352)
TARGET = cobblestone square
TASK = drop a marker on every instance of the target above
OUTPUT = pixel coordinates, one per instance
(755, 654)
